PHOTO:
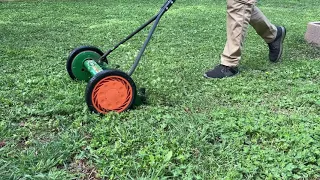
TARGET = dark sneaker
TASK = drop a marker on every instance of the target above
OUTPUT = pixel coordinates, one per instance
(221, 71)
(276, 47)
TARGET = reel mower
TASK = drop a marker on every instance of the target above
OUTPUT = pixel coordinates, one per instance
(109, 89)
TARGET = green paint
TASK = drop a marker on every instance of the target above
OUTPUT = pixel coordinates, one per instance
(78, 68)
(92, 67)
(140, 97)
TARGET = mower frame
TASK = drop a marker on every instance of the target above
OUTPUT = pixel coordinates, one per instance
(156, 20)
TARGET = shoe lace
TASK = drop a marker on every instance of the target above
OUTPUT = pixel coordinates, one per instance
(272, 46)
(223, 68)
(226, 68)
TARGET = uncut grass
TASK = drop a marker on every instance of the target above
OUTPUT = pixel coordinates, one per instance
(262, 123)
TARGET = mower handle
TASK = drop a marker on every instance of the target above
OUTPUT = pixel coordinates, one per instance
(168, 4)
(154, 19)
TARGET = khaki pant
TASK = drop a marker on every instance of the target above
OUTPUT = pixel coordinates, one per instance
(241, 13)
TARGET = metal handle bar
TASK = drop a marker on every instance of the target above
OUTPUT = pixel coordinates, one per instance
(154, 19)
(162, 11)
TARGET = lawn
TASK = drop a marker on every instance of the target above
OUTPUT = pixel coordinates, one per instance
(262, 124)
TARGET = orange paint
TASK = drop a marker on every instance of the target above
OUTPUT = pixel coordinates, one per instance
(112, 93)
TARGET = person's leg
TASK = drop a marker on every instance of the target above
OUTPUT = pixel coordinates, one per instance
(262, 25)
(238, 17)
(240, 13)
(272, 35)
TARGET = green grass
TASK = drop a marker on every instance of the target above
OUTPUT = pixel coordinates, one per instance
(261, 124)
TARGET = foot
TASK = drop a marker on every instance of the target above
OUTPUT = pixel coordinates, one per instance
(276, 47)
(221, 71)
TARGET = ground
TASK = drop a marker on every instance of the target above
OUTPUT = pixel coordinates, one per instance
(261, 124)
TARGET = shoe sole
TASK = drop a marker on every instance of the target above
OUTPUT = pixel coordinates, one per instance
(206, 76)
(281, 45)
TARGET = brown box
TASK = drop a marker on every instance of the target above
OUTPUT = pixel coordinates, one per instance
(312, 35)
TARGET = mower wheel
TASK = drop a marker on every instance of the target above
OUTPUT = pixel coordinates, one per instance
(76, 59)
(110, 90)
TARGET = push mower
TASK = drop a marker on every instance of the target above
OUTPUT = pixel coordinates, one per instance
(109, 89)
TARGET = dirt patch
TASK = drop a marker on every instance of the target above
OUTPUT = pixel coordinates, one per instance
(82, 167)
(2, 144)
(22, 143)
